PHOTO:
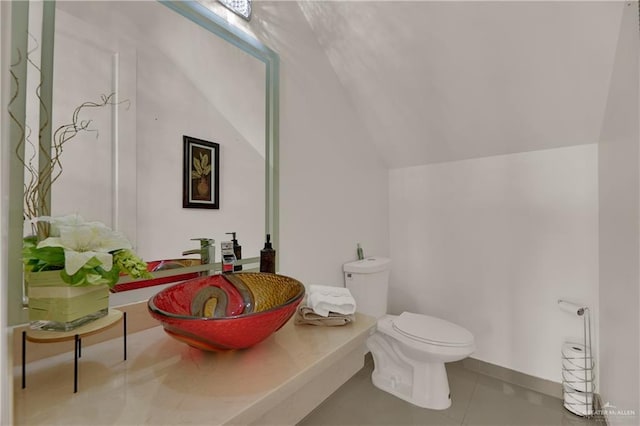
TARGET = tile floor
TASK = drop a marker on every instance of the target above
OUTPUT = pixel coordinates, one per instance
(477, 400)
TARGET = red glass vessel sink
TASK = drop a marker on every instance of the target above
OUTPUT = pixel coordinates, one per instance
(230, 311)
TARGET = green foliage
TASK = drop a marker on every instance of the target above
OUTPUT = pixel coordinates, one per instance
(41, 259)
(127, 261)
(92, 273)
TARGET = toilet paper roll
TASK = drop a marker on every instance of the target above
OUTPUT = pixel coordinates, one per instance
(578, 398)
(578, 382)
(577, 365)
(572, 350)
(571, 307)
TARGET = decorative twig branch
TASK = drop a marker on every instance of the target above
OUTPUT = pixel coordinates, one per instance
(40, 177)
(17, 122)
(52, 169)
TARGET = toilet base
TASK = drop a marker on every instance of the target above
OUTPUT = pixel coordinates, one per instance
(433, 394)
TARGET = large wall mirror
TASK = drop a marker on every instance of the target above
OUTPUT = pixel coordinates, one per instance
(175, 69)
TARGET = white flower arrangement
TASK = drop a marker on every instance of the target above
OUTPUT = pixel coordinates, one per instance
(87, 253)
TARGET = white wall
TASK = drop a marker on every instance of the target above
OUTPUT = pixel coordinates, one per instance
(493, 243)
(98, 179)
(333, 186)
(619, 230)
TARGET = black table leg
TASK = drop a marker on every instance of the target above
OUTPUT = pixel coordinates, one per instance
(75, 364)
(124, 327)
(24, 359)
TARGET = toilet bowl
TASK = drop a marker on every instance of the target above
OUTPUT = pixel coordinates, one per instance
(409, 352)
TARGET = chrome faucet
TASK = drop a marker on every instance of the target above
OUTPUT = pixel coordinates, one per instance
(206, 251)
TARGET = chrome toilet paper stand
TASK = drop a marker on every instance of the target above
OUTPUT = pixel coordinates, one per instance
(573, 376)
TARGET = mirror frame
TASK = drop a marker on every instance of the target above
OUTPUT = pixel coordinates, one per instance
(200, 15)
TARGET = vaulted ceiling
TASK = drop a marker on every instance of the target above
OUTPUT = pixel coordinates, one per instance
(444, 81)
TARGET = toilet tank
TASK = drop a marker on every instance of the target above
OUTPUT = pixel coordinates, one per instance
(368, 282)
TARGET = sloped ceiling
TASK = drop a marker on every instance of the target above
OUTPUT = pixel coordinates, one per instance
(444, 81)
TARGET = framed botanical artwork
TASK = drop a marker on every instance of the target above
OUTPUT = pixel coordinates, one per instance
(201, 175)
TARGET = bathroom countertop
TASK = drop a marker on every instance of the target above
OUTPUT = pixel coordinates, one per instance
(167, 382)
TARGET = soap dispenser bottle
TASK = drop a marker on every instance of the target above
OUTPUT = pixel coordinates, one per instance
(237, 250)
(268, 257)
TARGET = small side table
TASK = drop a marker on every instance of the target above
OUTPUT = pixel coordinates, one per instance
(101, 324)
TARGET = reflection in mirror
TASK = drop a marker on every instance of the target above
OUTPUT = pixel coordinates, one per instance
(200, 80)
(131, 175)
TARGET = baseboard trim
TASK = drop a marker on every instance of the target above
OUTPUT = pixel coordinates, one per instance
(514, 377)
(601, 416)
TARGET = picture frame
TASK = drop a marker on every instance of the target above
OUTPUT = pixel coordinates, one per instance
(201, 174)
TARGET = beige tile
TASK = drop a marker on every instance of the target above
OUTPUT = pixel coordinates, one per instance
(462, 383)
(537, 384)
(498, 403)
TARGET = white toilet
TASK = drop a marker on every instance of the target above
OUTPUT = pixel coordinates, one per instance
(409, 350)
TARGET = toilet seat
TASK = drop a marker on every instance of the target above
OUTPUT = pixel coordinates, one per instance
(434, 331)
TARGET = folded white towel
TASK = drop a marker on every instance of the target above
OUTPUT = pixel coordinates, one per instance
(325, 299)
(329, 290)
